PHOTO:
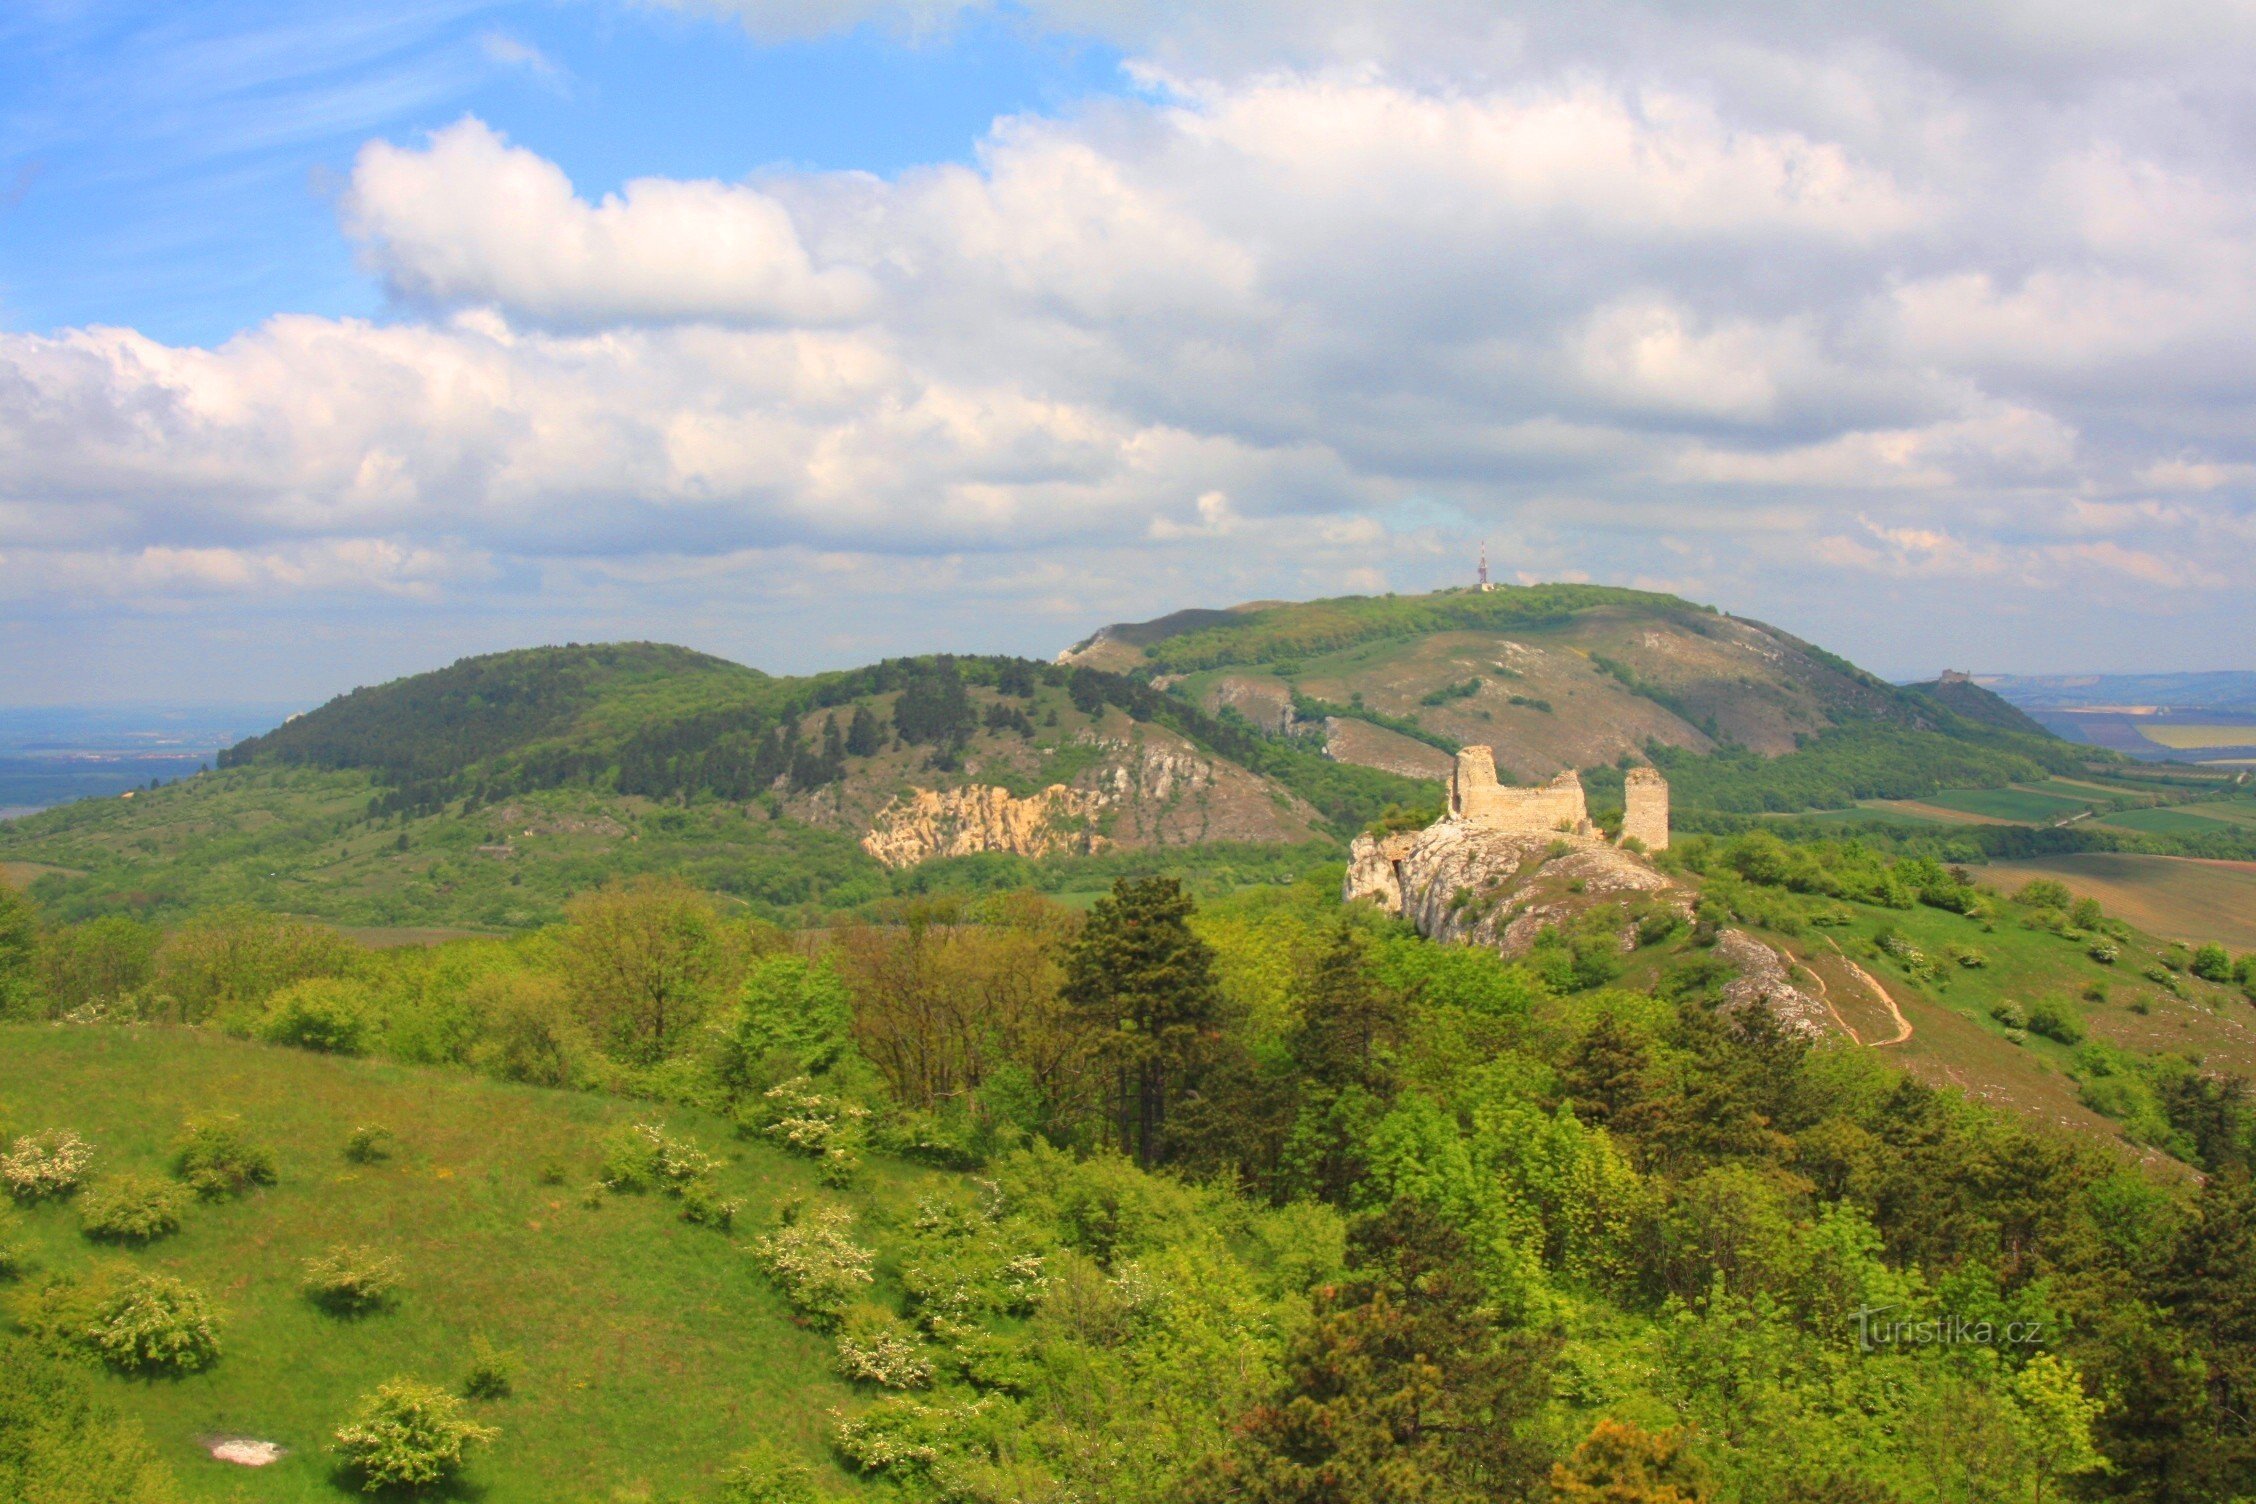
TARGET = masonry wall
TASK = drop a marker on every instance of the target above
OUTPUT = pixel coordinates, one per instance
(1476, 796)
(1645, 809)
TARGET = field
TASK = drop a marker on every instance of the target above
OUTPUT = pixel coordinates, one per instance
(2169, 822)
(2189, 738)
(2026, 806)
(649, 1349)
(2174, 896)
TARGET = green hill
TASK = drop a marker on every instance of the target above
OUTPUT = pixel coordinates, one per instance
(1231, 745)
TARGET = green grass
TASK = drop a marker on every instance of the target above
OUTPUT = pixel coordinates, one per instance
(2167, 822)
(1880, 813)
(2022, 804)
(649, 1350)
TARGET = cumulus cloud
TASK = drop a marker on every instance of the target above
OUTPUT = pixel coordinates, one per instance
(1810, 316)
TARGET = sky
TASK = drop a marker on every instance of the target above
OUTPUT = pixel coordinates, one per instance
(338, 341)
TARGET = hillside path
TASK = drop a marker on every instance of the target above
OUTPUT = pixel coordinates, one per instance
(1825, 995)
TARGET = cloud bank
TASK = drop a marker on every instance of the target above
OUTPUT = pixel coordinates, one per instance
(1925, 334)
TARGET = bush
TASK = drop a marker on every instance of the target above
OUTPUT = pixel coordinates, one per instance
(329, 1014)
(2211, 964)
(2009, 1014)
(132, 1209)
(140, 1323)
(370, 1143)
(641, 1157)
(821, 1270)
(408, 1434)
(348, 1281)
(216, 1159)
(880, 1348)
(42, 1165)
(704, 1205)
(531, 1034)
(2056, 1020)
(2043, 893)
(765, 1475)
(2105, 952)
(491, 1370)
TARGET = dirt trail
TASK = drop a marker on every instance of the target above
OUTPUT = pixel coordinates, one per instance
(1825, 996)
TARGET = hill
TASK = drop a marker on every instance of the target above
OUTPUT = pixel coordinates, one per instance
(1959, 694)
(1229, 745)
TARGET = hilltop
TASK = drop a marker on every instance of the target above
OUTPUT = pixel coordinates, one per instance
(1232, 745)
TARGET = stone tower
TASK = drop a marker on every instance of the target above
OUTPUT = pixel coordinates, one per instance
(1645, 812)
(1476, 797)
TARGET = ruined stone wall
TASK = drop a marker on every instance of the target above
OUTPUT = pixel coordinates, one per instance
(1477, 798)
(1645, 810)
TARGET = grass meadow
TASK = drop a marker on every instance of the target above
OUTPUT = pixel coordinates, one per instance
(648, 1349)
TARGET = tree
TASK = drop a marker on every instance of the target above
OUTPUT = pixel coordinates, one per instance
(1402, 1390)
(1340, 1051)
(864, 736)
(2211, 964)
(643, 962)
(19, 949)
(2054, 1421)
(1619, 1463)
(408, 1434)
(1144, 988)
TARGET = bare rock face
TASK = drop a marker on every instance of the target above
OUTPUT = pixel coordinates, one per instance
(927, 823)
(1764, 981)
(1464, 882)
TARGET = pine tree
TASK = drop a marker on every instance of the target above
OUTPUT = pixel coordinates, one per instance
(864, 737)
(1401, 1391)
(1144, 987)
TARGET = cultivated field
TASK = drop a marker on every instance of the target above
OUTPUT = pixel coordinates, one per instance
(2192, 738)
(2174, 896)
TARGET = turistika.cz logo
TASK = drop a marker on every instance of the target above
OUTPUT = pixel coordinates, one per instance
(1875, 1331)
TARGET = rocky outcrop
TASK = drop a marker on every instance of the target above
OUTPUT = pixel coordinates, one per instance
(1474, 884)
(1766, 981)
(927, 823)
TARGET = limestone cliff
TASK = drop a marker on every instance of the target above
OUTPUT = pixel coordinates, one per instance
(927, 823)
(1473, 884)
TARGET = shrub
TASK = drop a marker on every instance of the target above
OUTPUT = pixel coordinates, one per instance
(880, 1348)
(329, 1014)
(491, 1370)
(820, 1270)
(370, 1143)
(640, 1157)
(216, 1159)
(2211, 964)
(2085, 914)
(132, 1209)
(703, 1205)
(531, 1034)
(1966, 956)
(140, 1323)
(2105, 952)
(764, 1475)
(348, 1281)
(14, 1256)
(2056, 1020)
(408, 1434)
(2009, 1014)
(42, 1165)
(2043, 893)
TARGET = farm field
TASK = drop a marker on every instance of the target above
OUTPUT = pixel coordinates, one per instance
(2018, 804)
(2168, 822)
(2194, 738)
(616, 1311)
(2174, 896)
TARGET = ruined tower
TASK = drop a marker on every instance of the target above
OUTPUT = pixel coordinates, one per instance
(1645, 814)
(1476, 797)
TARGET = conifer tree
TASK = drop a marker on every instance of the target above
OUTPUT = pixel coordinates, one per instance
(1144, 987)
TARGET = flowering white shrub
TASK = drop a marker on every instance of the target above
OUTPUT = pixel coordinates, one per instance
(808, 1122)
(41, 1165)
(879, 1347)
(819, 1268)
(899, 1435)
(408, 1435)
(640, 1156)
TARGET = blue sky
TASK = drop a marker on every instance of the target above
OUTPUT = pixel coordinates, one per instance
(339, 341)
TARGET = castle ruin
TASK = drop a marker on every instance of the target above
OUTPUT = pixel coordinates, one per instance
(1557, 807)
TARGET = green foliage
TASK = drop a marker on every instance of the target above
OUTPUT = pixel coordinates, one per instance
(645, 1157)
(41, 1166)
(329, 1014)
(2211, 964)
(370, 1144)
(19, 954)
(137, 1323)
(877, 1347)
(2056, 1020)
(225, 963)
(1618, 1463)
(765, 1475)
(352, 1281)
(492, 1372)
(1867, 759)
(104, 965)
(1144, 987)
(815, 1262)
(217, 1160)
(131, 1209)
(408, 1434)
(792, 1018)
(60, 1444)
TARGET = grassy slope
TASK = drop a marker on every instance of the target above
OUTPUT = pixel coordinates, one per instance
(649, 1349)
(2185, 899)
